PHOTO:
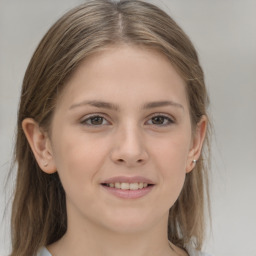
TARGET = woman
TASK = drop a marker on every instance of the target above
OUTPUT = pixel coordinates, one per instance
(111, 126)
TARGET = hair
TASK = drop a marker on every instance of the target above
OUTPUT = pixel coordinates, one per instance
(39, 213)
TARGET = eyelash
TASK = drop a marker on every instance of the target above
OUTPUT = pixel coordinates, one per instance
(89, 118)
(166, 118)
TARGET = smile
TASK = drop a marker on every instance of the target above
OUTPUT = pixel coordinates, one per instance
(127, 186)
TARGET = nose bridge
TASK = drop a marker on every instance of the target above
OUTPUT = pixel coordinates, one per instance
(129, 147)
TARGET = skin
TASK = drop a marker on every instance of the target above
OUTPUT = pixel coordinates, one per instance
(127, 139)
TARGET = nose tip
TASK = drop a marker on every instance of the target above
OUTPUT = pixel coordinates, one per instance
(130, 150)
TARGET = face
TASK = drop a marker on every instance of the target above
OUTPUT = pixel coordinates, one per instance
(122, 121)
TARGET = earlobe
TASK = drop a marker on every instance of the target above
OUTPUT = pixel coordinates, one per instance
(40, 145)
(197, 144)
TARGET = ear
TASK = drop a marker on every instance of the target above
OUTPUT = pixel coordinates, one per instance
(40, 145)
(196, 144)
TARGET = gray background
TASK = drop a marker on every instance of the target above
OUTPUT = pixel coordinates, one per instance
(224, 32)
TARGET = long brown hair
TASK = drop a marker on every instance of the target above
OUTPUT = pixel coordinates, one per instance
(39, 211)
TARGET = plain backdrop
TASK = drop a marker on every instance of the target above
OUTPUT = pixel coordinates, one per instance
(224, 33)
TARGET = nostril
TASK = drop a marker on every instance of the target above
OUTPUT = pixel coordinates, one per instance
(122, 160)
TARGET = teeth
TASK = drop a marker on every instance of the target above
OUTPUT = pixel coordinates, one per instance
(117, 185)
(141, 185)
(134, 186)
(126, 186)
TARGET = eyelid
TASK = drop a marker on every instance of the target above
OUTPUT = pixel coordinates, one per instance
(89, 116)
(170, 118)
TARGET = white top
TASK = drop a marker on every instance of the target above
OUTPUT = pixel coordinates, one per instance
(193, 252)
(44, 252)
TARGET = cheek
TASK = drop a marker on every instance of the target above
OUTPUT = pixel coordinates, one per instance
(78, 159)
(171, 153)
(170, 162)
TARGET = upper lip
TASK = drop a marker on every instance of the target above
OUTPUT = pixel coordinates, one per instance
(125, 179)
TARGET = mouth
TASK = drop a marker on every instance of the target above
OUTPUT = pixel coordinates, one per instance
(127, 186)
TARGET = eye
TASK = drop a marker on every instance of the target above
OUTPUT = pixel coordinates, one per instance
(95, 120)
(160, 120)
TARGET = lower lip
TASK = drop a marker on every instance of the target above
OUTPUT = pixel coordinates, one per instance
(129, 194)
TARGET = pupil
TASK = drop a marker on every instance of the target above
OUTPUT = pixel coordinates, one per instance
(96, 120)
(158, 120)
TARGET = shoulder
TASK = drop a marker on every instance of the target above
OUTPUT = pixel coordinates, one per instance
(189, 250)
(204, 254)
(43, 252)
(193, 252)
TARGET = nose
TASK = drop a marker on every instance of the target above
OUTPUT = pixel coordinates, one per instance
(129, 148)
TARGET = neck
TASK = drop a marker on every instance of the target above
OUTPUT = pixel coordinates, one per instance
(90, 239)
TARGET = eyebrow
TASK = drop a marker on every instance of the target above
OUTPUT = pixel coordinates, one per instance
(162, 104)
(97, 104)
(111, 106)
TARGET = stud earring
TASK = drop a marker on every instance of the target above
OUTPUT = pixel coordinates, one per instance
(194, 161)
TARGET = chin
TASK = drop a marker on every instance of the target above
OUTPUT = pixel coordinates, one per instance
(131, 222)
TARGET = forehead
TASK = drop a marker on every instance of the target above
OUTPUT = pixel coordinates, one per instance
(121, 56)
(125, 71)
